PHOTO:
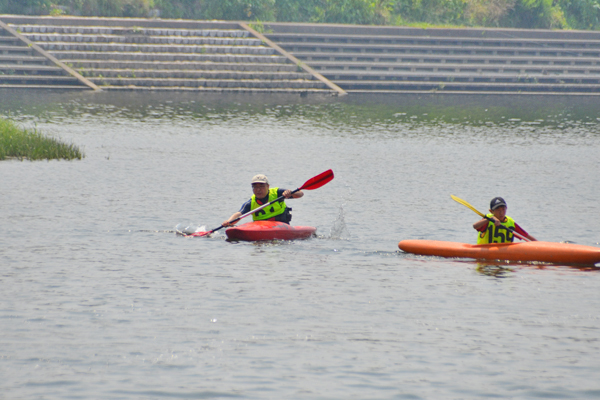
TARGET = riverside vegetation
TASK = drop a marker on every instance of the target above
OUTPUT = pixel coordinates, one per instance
(550, 14)
(16, 142)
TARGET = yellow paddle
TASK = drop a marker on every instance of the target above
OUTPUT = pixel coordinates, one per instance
(464, 203)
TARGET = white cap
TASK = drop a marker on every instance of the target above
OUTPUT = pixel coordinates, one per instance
(260, 178)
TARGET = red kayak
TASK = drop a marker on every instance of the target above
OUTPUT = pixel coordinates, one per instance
(269, 230)
(558, 253)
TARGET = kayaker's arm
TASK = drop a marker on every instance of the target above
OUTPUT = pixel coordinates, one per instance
(524, 233)
(233, 217)
(483, 223)
(288, 194)
(479, 224)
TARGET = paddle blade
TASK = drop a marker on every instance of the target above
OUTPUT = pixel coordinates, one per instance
(318, 181)
(200, 234)
(464, 203)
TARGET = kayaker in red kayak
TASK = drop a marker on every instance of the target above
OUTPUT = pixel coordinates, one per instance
(489, 227)
(264, 194)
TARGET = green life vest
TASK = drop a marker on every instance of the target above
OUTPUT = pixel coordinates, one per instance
(270, 211)
(493, 234)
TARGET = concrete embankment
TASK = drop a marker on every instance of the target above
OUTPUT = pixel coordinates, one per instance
(137, 54)
(400, 59)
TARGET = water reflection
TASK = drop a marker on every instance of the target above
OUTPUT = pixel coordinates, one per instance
(500, 269)
(495, 269)
(529, 113)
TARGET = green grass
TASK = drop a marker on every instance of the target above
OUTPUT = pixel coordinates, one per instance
(16, 142)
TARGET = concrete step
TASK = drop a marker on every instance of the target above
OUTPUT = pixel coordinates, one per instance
(209, 83)
(69, 56)
(16, 50)
(116, 30)
(181, 65)
(385, 79)
(285, 39)
(372, 86)
(147, 48)
(301, 91)
(30, 69)
(22, 60)
(188, 74)
(9, 41)
(476, 33)
(42, 79)
(497, 62)
(143, 39)
(454, 67)
(316, 58)
(40, 86)
(382, 50)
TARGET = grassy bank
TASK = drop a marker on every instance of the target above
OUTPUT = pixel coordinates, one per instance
(31, 144)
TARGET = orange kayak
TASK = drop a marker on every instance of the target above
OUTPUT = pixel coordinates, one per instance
(560, 253)
(269, 230)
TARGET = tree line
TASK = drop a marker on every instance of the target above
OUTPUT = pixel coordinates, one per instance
(542, 14)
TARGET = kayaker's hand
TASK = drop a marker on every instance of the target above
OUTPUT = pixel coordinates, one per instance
(287, 194)
(227, 223)
(496, 221)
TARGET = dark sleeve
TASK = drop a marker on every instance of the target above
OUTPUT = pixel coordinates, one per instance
(246, 207)
(280, 192)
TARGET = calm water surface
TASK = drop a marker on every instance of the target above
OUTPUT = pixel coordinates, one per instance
(99, 298)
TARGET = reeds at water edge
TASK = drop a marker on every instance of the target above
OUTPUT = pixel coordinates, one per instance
(16, 142)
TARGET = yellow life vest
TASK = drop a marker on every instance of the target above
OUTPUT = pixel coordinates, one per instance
(493, 234)
(270, 211)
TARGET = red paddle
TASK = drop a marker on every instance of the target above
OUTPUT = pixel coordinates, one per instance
(313, 183)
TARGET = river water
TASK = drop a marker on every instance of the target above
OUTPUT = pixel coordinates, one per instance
(100, 299)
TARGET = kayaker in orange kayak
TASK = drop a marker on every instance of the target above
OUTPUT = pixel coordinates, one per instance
(263, 194)
(493, 227)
